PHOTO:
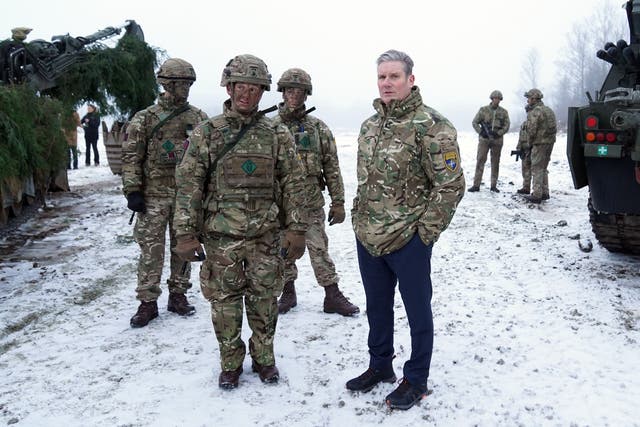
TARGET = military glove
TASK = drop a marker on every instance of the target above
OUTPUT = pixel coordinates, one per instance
(189, 249)
(135, 201)
(293, 244)
(336, 213)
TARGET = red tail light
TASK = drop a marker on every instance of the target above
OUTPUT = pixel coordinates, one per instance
(591, 122)
(611, 137)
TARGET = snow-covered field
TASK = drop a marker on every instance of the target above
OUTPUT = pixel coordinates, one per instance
(529, 329)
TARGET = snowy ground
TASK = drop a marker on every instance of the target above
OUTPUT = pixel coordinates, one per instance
(529, 330)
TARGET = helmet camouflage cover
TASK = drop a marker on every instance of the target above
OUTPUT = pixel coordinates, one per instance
(247, 69)
(176, 69)
(295, 77)
(496, 94)
(533, 93)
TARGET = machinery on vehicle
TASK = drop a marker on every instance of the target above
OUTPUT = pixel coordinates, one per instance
(603, 144)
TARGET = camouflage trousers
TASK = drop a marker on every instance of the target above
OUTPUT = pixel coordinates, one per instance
(526, 169)
(540, 156)
(243, 274)
(484, 147)
(150, 233)
(318, 244)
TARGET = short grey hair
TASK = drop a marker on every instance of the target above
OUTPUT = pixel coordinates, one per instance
(396, 55)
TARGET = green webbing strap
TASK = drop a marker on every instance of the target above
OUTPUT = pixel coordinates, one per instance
(162, 122)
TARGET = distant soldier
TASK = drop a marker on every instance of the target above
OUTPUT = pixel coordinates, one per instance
(491, 122)
(242, 177)
(541, 134)
(410, 182)
(154, 146)
(18, 36)
(316, 146)
(525, 149)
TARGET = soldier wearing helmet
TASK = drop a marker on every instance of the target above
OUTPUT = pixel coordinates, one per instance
(491, 122)
(316, 147)
(242, 176)
(541, 128)
(156, 140)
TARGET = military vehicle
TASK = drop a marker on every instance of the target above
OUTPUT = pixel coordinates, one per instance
(603, 144)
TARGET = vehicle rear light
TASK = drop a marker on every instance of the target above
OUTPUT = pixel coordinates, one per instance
(590, 136)
(600, 137)
(611, 137)
(591, 122)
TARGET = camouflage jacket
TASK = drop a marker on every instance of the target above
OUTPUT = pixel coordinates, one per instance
(541, 124)
(256, 186)
(523, 143)
(149, 161)
(316, 147)
(497, 119)
(409, 175)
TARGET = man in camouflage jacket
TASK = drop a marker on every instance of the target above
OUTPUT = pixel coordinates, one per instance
(240, 178)
(541, 134)
(316, 147)
(154, 145)
(491, 122)
(409, 183)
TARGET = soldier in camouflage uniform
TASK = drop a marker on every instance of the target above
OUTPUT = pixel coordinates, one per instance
(541, 134)
(409, 184)
(154, 145)
(525, 148)
(491, 122)
(241, 175)
(317, 148)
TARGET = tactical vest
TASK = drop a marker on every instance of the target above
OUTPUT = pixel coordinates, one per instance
(242, 191)
(307, 140)
(166, 146)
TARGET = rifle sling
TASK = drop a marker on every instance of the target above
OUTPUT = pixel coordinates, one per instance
(162, 122)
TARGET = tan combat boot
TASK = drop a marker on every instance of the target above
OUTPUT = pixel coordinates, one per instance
(336, 302)
(288, 299)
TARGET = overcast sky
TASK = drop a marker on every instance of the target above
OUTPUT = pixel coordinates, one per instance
(462, 49)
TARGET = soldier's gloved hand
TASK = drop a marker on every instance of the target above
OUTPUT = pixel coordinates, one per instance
(336, 213)
(135, 201)
(293, 244)
(189, 248)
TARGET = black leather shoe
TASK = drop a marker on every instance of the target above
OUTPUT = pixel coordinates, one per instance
(405, 396)
(228, 380)
(370, 378)
(268, 374)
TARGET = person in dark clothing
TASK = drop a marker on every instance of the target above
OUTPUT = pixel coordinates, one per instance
(90, 124)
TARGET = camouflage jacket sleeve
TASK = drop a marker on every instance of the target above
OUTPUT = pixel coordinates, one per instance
(535, 125)
(190, 182)
(441, 162)
(290, 176)
(330, 164)
(134, 149)
(476, 121)
(505, 122)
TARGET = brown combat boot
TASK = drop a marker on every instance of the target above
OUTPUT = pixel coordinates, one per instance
(178, 304)
(147, 311)
(288, 299)
(523, 191)
(268, 374)
(229, 379)
(336, 302)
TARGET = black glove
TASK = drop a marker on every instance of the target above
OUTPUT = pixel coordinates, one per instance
(135, 201)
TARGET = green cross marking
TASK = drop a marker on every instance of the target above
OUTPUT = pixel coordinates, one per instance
(168, 146)
(249, 167)
(603, 150)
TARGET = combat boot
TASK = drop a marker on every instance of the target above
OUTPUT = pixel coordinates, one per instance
(534, 199)
(336, 302)
(288, 299)
(473, 189)
(523, 191)
(495, 189)
(267, 374)
(178, 304)
(147, 311)
(229, 380)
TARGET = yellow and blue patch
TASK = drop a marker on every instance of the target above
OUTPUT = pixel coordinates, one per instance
(451, 160)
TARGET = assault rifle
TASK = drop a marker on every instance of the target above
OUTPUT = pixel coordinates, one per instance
(485, 132)
(520, 154)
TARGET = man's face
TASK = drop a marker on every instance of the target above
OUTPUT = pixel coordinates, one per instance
(294, 97)
(393, 82)
(178, 89)
(531, 100)
(495, 101)
(245, 97)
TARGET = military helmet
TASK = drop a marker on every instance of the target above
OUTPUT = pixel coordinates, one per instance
(533, 93)
(176, 69)
(20, 33)
(496, 94)
(295, 77)
(247, 69)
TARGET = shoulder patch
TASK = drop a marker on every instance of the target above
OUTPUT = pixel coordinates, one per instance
(451, 160)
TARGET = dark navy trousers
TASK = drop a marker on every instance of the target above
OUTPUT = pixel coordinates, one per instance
(410, 267)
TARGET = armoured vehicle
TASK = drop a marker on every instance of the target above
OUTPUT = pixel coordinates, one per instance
(603, 144)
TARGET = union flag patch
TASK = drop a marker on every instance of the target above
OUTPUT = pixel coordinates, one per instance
(451, 160)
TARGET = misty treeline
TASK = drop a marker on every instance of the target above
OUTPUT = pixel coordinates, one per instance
(577, 69)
